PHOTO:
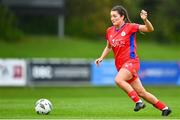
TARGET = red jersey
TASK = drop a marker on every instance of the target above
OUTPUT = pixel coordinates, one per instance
(123, 42)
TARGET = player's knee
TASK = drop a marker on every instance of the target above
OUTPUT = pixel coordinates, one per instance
(141, 93)
(119, 82)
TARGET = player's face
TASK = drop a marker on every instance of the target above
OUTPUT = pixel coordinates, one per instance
(116, 18)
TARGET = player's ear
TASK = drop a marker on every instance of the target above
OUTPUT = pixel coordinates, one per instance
(122, 16)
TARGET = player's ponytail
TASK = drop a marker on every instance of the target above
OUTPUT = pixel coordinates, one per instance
(122, 11)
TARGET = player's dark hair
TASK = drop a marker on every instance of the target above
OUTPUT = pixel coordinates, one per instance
(122, 11)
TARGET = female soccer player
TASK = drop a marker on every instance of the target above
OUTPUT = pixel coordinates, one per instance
(121, 38)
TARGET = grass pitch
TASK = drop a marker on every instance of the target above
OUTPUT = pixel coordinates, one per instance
(84, 103)
(68, 47)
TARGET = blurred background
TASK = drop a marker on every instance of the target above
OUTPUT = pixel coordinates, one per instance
(45, 42)
(48, 48)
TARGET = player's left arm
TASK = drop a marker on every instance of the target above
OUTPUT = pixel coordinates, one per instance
(147, 27)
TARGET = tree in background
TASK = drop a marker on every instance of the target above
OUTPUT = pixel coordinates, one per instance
(167, 20)
(90, 18)
(8, 28)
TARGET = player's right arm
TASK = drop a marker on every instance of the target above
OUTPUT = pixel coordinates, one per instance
(105, 52)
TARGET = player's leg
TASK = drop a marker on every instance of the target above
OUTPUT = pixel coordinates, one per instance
(122, 81)
(138, 87)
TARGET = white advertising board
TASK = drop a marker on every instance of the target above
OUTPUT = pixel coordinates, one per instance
(12, 72)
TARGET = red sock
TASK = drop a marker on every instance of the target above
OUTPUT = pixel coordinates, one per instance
(159, 105)
(134, 96)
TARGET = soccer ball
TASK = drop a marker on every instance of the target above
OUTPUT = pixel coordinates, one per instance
(43, 106)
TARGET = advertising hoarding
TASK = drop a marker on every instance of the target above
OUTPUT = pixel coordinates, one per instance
(12, 72)
(53, 71)
(150, 73)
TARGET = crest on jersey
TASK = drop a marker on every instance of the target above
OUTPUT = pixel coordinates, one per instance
(123, 34)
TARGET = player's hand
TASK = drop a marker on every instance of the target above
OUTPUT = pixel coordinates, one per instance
(98, 61)
(143, 15)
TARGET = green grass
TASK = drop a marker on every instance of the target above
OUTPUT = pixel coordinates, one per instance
(48, 47)
(83, 103)
(53, 47)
